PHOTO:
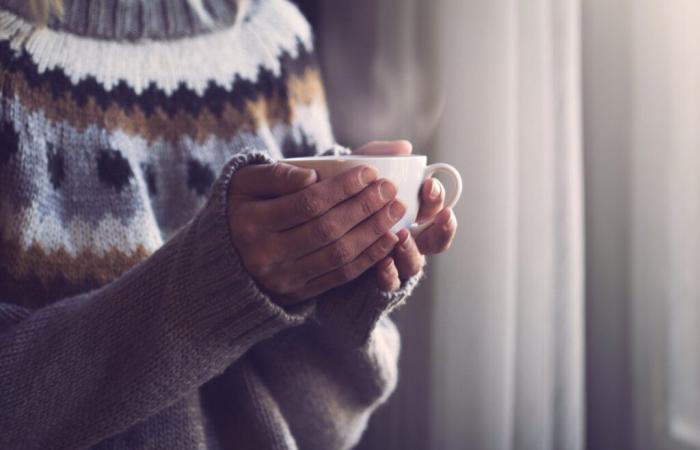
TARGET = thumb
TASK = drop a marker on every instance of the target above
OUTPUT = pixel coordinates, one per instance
(271, 180)
(385, 148)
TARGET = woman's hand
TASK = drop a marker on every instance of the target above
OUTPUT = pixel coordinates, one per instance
(407, 258)
(299, 237)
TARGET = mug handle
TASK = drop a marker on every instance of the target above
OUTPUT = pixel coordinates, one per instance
(451, 201)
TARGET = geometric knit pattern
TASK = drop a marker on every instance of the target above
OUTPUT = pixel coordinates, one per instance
(126, 318)
(69, 128)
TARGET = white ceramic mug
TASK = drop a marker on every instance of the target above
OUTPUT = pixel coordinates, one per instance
(406, 172)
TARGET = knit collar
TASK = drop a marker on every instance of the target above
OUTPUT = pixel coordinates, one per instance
(137, 19)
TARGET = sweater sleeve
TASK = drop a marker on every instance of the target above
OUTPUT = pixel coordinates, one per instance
(329, 375)
(92, 365)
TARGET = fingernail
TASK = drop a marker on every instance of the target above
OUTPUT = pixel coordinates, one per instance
(402, 234)
(387, 190)
(405, 143)
(393, 239)
(396, 211)
(405, 244)
(435, 189)
(368, 175)
(300, 174)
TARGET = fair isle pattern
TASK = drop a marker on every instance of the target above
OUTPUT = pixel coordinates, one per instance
(258, 43)
(221, 113)
(108, 147)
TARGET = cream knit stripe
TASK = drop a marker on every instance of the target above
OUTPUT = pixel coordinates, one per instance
(312, 121)
(218, 57)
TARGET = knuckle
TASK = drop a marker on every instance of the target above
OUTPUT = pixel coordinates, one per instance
(309, 204)
(390, 269)
(278, 171)
(257, 264)
(246, 234)
(376, 253)
(347, 273)
(388, 244)
(379, 226)
(379, 251)
(324, 230)
(350, 185)
(367, 207)
(279, 285)
(340, 254)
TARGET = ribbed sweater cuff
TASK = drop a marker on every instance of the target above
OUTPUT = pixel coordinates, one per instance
(353, 310)
(237, 309)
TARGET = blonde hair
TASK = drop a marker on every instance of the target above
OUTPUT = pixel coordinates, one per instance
(41, 10)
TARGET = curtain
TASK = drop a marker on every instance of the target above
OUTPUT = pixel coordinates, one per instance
(642, 90)
(508, 320)
(567, 313)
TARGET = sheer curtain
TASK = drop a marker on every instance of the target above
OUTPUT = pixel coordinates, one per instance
(642, 90)
(566, 315)
(508, 337)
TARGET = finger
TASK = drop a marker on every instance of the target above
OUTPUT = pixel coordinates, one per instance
(338, 277)
(271, 180)
(337, 222)
(291, 210)
(407, 257)
(385, 148)
(432, 199)
(387, 275)
(348, 247)
(439, 235)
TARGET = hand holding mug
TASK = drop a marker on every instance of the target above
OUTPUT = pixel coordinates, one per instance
(423, 196)
(299, 237)
(407, 259)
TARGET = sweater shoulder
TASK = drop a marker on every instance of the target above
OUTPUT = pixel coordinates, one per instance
(256, 73)
(267, 33)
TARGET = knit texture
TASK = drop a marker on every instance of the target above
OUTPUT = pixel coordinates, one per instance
(127, 319)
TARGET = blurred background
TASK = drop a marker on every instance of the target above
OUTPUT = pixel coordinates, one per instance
(567, 314)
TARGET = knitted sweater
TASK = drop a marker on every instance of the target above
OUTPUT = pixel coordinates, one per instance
(127, 319)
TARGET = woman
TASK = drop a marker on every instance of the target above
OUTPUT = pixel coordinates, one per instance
(146, 302)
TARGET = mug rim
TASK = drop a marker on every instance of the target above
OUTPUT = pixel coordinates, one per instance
(351, 157)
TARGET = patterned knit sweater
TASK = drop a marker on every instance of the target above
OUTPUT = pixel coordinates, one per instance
(127, 319)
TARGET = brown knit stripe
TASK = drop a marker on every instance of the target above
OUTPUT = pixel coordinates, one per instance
(305, 89)
(301, 90)
(46, 266)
